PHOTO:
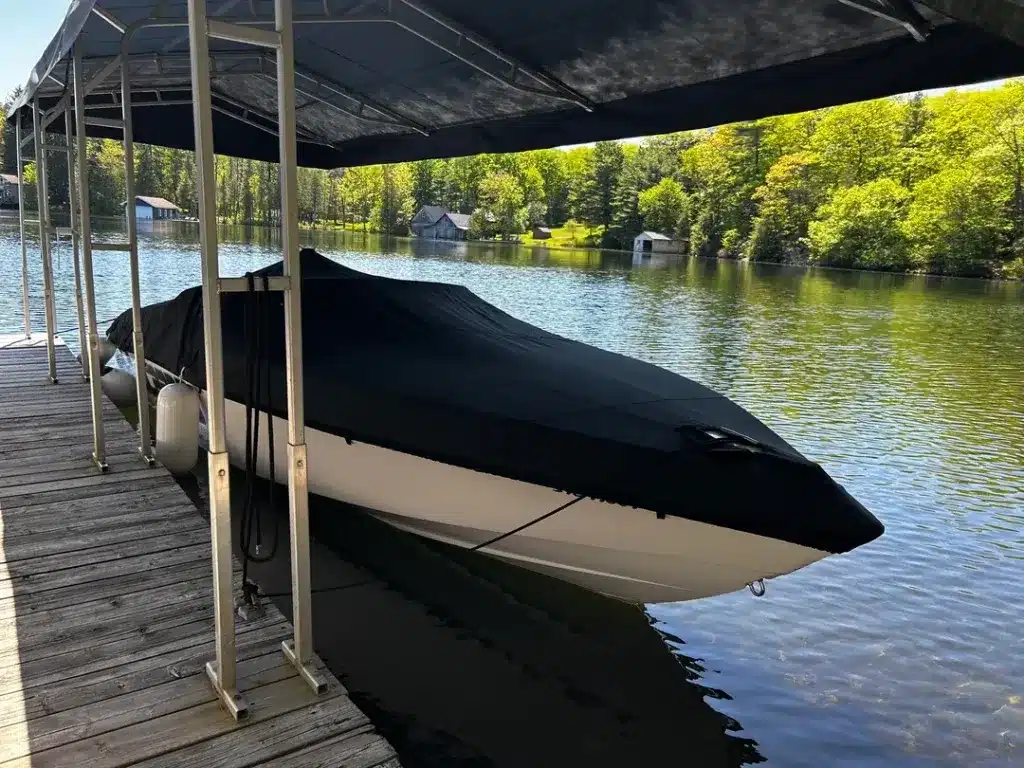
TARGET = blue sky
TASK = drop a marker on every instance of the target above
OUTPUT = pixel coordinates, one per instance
(26, 33)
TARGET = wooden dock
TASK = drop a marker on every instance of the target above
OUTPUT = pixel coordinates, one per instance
(106, 608)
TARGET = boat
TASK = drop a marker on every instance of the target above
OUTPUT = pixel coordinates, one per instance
(451, 419)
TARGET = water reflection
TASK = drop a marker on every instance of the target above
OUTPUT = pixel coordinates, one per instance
(909, 390)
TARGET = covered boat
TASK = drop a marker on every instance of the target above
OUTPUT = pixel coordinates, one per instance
(451, 419)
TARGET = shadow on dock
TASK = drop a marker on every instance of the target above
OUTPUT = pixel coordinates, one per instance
(461, 660)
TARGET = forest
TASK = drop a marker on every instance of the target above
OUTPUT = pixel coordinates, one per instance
(921, 184)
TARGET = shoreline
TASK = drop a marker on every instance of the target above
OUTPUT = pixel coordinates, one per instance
(12, 214)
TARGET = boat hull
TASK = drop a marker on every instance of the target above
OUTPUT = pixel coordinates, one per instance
(618, 551)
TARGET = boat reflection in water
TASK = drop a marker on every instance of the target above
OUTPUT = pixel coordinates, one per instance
(463, 660)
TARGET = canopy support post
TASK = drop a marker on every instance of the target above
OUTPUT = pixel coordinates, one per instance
(141, 386)
(299, 649)
(85, 227)
(43, 204)
(75, 246)
(221, 671)
(21, 227)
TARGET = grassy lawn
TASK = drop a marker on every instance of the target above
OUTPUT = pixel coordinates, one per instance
(578, 236)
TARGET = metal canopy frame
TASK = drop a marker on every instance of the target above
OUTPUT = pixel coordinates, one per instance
(901, 12)
(412, 16)
(299, 649)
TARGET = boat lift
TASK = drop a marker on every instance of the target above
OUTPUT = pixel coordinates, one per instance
(897, 49)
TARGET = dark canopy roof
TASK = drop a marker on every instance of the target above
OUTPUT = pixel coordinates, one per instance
(389, 80)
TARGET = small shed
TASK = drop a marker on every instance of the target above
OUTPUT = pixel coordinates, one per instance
(541, 233)
(655, 242)
(8, 190)
(425, 216)
(155, 208)
(451, 226)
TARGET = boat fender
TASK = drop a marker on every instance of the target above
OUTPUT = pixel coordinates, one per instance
(105, 349)
(119, 386)
(177, 427)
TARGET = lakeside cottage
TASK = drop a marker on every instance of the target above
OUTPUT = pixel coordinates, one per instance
(541, 233)
(8, 190)
(451, 226)
(435, 222)
(425, 217)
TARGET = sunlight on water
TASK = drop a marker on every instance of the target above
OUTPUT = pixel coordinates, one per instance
(909, 391)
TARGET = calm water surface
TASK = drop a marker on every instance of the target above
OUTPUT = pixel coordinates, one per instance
(909, 391)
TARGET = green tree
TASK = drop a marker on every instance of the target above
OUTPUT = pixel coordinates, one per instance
(394, 203)
(662, 206)
(502, 210)
(550, 164)
(425, 183)
(360, 193)
(720, 171)
(626, 220)
(857, 142)
(787, 201)
(608, 160)
(861, 227)
(956, 222)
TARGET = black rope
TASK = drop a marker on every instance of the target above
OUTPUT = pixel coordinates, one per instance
(75, 327)
(255, 593)
(524, 526)
(256, 333)
(322, 590)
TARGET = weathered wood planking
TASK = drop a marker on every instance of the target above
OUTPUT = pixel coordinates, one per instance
(106, 608)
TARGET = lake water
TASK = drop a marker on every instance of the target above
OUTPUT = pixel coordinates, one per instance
(908, 390)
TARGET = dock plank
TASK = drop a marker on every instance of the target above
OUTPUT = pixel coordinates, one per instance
(106, 607)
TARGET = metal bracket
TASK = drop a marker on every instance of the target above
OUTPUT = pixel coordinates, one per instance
(901, 12)
(103, 122)
(110, 18)
(241, 284)
(306, 671)
(232, 700)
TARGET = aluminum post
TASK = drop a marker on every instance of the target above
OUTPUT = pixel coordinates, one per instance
(21, 227)
(141, 388)
(43, 204)
(85, 227)
(300, 649)
(75, 245)
(221, 671)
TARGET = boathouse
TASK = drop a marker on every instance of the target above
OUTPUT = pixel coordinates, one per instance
(425, 217)
(8, 190)
(155, 208)
(451, 226)
(655, 242)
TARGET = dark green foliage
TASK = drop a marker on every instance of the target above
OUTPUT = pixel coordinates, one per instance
(925, 183)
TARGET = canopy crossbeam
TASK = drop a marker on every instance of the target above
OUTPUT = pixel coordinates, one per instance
(901, 12)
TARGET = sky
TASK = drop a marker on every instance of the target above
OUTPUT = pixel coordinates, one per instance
(27, 33)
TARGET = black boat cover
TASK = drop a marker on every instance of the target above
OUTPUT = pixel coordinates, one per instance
(432, 370)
